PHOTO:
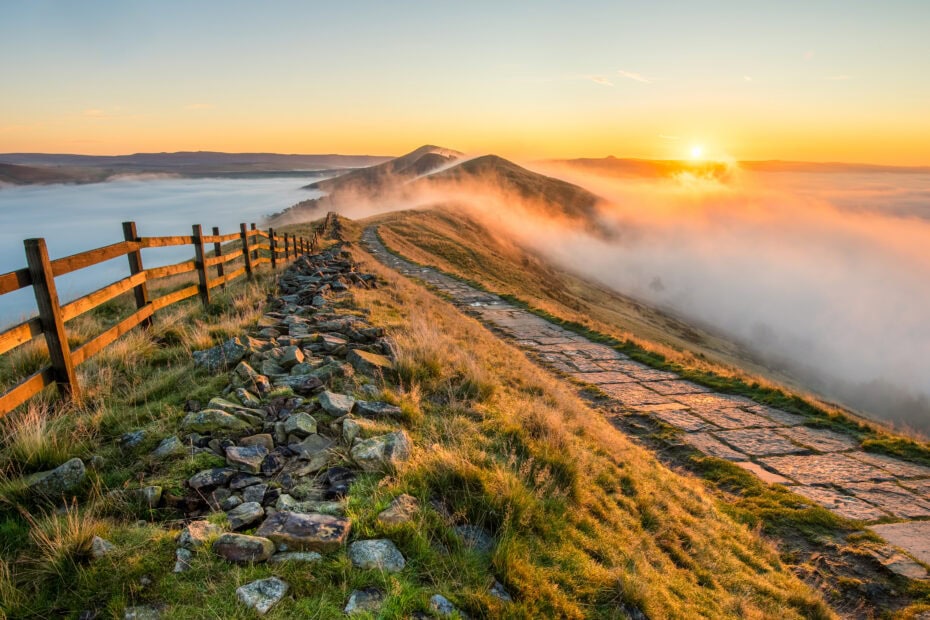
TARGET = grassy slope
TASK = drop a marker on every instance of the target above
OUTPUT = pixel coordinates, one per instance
(453, 243)
(587, 522)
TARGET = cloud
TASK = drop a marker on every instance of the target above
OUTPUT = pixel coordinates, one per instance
(600, 79)
(747, 78)
(199, 106)
(632, 75)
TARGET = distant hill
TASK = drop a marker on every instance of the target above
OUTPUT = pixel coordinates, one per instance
(32, 175)
(424, 160)
(551, 194)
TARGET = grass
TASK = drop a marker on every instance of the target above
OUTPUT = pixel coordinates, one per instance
(447, 240)
(586, 523)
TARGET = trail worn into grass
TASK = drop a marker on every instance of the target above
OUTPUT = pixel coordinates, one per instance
(824, 466)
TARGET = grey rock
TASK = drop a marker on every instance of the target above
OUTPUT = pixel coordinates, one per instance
(374, 409)
(382, 453)
(100, 547)
(300, 424)
(498, 590)
(330, 370)
(197, 533)
(132, 439)
(441, 605)
(169, 446)
(306, 532)
(350, 430)
(336, 404)
(370, 364)
(312, 446)
(296, 556)
(263, 594)
(262, 439)
(364, 600)
(245, 372)
(65, 478)
(246, 458)
(244, 515)
(291, 356)
(96, 463)
(182, 560)
(211, 478)
(141, 612)
(255, 493)
(304, 385)
(287, 502)
(222, 357)
(247, 398)
(214, 421)
(475, 537)
(379, 554)
(231, 502)
(243, 549)
(272, 368)
(242, 481)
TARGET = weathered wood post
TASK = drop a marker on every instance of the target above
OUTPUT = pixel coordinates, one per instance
(140, 291)
(201, 265)
(287, 248)
(218, 251)
(246, 253)
(255, 251)
(53, 325)
(294, 241)
(273, 248)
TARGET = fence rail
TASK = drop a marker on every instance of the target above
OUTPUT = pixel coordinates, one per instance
(247, 244)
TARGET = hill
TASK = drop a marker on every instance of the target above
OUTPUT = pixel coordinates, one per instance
(551, 195)
(424, 160)
(34, 175)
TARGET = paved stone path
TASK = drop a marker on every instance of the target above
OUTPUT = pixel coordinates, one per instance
(822, 465)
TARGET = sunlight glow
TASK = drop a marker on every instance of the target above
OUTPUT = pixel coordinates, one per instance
(697, 151)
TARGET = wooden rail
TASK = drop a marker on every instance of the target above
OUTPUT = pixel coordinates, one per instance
(249, 246)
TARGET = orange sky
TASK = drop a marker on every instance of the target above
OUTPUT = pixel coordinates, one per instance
(831, 82)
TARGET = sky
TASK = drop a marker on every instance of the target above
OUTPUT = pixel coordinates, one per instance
(811, 81)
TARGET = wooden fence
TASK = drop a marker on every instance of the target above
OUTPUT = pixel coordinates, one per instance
(254, 246)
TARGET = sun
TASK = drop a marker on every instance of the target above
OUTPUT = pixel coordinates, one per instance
(697, 151)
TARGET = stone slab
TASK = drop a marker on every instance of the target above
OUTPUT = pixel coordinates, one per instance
(733, 418)
(763, 474)
(601, 376)
(711, 446)
(890, 497)
(841, 503)
(675, 387)
(645, 373)
(683, 420)
(913, 537)
(758, 442)
(306, 532)
(712, 400)
(824, 469)
(782, 417)
(819, 439)
(632, 394)
(894, 466)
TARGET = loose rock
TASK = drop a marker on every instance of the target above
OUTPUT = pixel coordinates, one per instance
(197, 533)
(400, 511)
(263, 594)
(243, 549)
(382, 453)
(336, 404)
(379, 553)
(307, 532)
(364, 600)
(65, 478)
(244, 515)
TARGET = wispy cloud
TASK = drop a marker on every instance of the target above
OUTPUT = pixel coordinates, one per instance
(838, 78)
(199, 106)
(95, 113)
(600, 79)
(632, 75)
(747, 78)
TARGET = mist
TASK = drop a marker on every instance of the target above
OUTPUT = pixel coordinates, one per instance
(824, 277)
(75, 218)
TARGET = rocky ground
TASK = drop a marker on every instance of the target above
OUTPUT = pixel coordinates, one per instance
(299, 420)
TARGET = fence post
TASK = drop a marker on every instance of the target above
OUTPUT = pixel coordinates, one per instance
(294, 243)
(246, 253)
(287, 248)
(254, 252)
(53, 326)
(201, 265)
(218, 251)
(272, 247)
(141, 291)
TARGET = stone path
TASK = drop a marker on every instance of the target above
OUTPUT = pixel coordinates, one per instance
(825, 466)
